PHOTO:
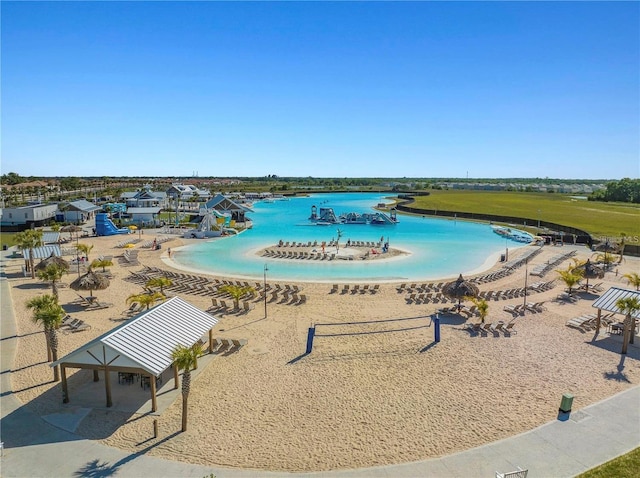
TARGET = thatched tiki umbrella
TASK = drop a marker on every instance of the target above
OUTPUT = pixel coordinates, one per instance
(90, 281)
(591, 271)
(52, 259)
(71, 228)
(459, 289)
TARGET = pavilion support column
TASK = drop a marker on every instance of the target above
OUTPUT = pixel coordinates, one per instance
(154, 401)
(96, 376)
(210, 341)
(65, 388)
(176, 383)
(107, 386)
(598, 321)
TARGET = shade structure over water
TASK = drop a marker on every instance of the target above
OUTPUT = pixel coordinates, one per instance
(460, 289)
(90, 281)
(52, 259)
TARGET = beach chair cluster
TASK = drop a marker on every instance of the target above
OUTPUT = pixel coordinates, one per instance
(129, 258)
(180, 283)
(587, 322)
(297, 244)
(419, 288)
(123, 244)
(355, 289)
(158, 240)
(283, 294)
(542, 269)
(534, 307)
(428, 298)
(516, 292)
(222, 305)
(300, 255)
(226, 346)
(92, 302)
(495, 329)
(69, 325)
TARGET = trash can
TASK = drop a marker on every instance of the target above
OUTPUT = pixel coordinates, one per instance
(502, 258)
(4, 247)
(567, 401)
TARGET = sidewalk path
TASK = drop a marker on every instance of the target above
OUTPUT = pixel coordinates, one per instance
(34, 448)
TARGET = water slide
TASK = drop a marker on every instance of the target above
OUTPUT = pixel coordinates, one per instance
(106, 227)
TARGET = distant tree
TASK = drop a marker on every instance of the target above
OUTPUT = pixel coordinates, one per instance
(186, 358)
(633, 278)
(47, 311)
(147, 300)
(628, 306)
(236, 292)
(161, 282)
(53, 273)
(27, 241)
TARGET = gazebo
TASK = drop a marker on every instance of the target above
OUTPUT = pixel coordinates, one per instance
(607, 302)
(142, 345)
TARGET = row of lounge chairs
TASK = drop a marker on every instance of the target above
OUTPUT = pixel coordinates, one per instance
(428, 297)
(355, 289)
(588, 322)
(495, 329)
(69, 324)
(123, 244)
(424, 287)
(518, 309)
(158, 240)
(304, 255)
(542, 269)
(130, 258)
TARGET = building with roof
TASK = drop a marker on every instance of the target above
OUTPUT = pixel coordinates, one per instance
(143, 345)
(144, 215)
(145, 198)
(226, 206)
(78, 212)
(27, 217)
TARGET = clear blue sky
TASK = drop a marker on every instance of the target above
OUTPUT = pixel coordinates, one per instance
(416, 89)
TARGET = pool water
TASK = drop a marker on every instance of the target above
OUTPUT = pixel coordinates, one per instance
(438, 248)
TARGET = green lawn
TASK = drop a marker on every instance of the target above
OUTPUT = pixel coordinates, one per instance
(7, 238)
(597, 218)
(625, 466)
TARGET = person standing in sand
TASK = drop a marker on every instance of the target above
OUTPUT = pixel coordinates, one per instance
(169, 252)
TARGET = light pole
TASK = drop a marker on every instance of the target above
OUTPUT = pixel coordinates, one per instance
(264, 290)
(538, 219)
(526, 275)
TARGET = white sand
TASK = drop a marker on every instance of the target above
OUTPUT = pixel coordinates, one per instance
(357, 400)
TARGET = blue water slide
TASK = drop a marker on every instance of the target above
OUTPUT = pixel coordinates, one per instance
(106, 227)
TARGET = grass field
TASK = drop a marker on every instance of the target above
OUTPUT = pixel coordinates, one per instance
(625, 466)
(597, 218)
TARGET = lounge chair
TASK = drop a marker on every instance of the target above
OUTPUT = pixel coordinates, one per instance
(513, 309)
(473, 327)
(224, 345)
(496, 328)
(334, 289)
(238, 344)
(508, 329)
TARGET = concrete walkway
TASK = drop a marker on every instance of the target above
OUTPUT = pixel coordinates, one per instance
(561, 448)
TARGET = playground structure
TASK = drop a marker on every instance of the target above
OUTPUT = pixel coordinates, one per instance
(106, 227)
(213, 224)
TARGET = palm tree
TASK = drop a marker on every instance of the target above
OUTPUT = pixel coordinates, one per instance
(633, 279)
(52, 273)
(482, 305)
(29, 240)
(85, 249)
(236, 292)
(47, 311)
(570, 276)
(146, 299)
(161, 282)
(186, 358)
(101, 263)
(628, 306)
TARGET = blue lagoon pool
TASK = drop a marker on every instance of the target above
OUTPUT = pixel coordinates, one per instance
(437, 248)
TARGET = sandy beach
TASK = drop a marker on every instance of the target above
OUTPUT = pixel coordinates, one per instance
(362, 397)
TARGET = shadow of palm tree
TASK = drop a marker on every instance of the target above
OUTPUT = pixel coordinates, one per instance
(618, 375)
(97, 469)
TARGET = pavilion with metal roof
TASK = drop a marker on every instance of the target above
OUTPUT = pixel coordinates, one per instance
(608, 300)
(142, 345)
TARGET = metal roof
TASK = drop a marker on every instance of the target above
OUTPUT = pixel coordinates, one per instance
(143, 210)
(50, 237)
(83, 205)
(43, 252)
(147, 340)
(607, 301)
